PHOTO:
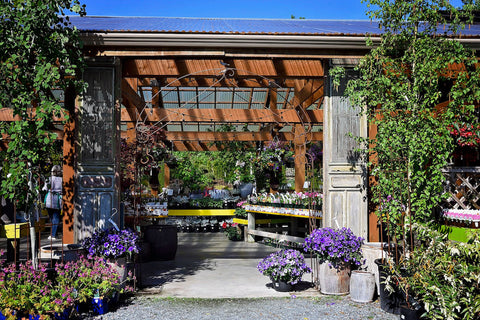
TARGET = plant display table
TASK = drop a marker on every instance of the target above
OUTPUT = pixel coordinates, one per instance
(254, 210)
(459, 223)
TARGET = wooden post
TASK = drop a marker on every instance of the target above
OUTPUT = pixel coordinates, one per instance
(300, 157)
(68, 191)
(251, 226)
(166, 175)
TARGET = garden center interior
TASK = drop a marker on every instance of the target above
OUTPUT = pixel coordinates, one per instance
(217, 111)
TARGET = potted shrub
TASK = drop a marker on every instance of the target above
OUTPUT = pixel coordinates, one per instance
(336, 250)
(285, 268)
(441, 279)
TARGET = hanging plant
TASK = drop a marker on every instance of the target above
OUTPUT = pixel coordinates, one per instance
(273, 155)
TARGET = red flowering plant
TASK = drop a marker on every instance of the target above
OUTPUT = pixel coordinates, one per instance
(232, 231)
(466, 134)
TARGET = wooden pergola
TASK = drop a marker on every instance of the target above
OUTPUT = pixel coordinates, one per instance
(281, 98)
(278, 76)
(302, 86)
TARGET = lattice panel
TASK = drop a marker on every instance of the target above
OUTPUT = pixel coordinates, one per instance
(463, 188)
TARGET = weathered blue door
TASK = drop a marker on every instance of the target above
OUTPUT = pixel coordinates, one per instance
(97, 194)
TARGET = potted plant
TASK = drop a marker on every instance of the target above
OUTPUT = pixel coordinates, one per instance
(441, 280)
(112, 243)
(118, 247)
(285, 268)
(336, 250)
(94, 282)
(29, 291)
(232, 231)
(240, 211)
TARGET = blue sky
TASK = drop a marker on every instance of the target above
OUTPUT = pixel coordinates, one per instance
(270, 9)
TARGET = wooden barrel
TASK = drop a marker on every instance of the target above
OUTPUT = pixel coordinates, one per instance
(334, 281)
(362, 286)
(163, 241)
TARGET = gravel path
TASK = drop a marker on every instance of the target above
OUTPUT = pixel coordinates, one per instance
(293, 308)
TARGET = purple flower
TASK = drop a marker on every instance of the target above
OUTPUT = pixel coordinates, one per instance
(111, 243)
(336, 246)
(285, 265)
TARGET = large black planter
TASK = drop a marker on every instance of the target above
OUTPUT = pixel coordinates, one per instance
(389, 302)
(163, 241)
(412, 312)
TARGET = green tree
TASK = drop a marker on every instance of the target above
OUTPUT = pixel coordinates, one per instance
(401, 82)
(414, 86)
(40, 51)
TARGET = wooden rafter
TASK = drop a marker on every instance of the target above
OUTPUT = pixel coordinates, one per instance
(211, 67)
(135, 105)
(234, 136)
(224, 115)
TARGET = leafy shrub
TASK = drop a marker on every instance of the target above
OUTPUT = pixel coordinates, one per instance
(444, 275)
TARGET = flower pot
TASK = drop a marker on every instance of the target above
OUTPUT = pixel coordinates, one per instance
(122, 267)
(282, 286)
(388, 302)
(99, 306)
(362, 286)
(163, 241)
(334, 281)
(65, 315)
(67, 252)
(409, 313)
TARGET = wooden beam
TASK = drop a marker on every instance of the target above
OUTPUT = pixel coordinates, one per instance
(236, 136)
(134, 103)
(224, 115)
(211, 67)
(299, 142)
(181, 140)
(6, 114)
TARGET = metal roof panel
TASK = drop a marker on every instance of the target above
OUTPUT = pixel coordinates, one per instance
(223, 25)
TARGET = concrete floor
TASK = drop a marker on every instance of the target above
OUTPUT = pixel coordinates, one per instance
(208, 265)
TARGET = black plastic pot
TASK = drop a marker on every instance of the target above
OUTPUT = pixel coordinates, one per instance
(389, 302)
(163, 241)
(410, 312)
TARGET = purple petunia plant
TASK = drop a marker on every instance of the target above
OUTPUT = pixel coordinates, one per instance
(112, 244)
(336, 246)
(286, 265)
